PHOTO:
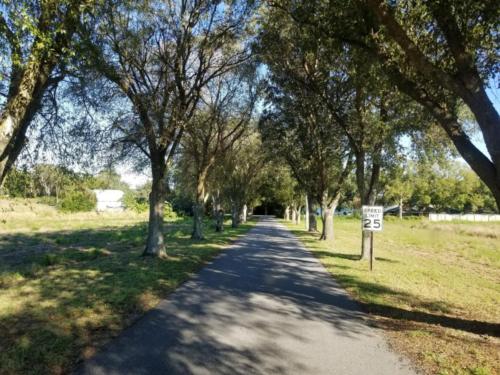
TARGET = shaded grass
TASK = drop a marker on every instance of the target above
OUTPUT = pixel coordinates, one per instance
(58, 304)
(435, 288)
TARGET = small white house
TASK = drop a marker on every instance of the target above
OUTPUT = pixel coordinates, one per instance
(109, 200)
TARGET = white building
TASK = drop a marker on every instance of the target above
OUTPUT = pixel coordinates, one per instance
(109, 200)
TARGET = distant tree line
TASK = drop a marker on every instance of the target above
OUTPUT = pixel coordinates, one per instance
(449, 186)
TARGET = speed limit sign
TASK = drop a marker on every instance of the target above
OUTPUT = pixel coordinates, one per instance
(373, 217)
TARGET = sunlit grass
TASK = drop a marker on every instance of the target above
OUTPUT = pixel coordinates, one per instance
(435, 288)
(26, 215)
(80, 284)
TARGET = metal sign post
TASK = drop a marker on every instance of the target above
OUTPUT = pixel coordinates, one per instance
(371, 251)
(372, 221)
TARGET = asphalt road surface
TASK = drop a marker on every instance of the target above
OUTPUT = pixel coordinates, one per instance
(265, 306)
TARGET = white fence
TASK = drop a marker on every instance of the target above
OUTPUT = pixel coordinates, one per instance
(463, 217)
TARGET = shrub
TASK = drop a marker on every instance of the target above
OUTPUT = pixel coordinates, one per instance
(78, 201)
(181, 203)
(139, 204)
(168, 211)
(135, 203)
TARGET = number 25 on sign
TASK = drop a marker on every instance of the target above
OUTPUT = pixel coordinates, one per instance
(373, 217)
(372, 221)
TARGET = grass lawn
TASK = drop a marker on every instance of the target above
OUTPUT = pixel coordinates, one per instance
(70, 282)
(435, 288)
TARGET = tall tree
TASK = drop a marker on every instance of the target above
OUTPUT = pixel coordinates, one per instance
(299, 124)
(279, 186)
(222, 118)
(373, 115)
(318, 160)
(239, 176)
(36, 37)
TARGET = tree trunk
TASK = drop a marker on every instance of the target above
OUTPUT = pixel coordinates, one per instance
(244, 212)
(155, 245)
(306, 212)
(360, 176)
(328, 210)
(401, 208)
(235, 215)
(313, 223)
(198, 210)
(219, 221)
(466, 83)
(215, 204)
(487, 170)
(218, 212)
(287, 213)
(29, 83)
(199, 206)
(19, 111)
(299, 209)
(365, 239)
(368, 198)
(365, 245)
(294, 213)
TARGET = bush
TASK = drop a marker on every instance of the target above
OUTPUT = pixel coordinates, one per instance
(168, 212)
(135, 203)
(181, 203)
(78, 201)
(139, 204)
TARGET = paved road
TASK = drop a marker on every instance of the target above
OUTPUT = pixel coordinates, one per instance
(264, 307)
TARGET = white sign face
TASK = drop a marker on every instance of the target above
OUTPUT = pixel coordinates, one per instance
(373, 218)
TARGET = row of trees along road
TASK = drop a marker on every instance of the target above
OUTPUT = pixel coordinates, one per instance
(331, 107)
(361, 57)
(345, 82)
(160, 56)
(442, 54)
